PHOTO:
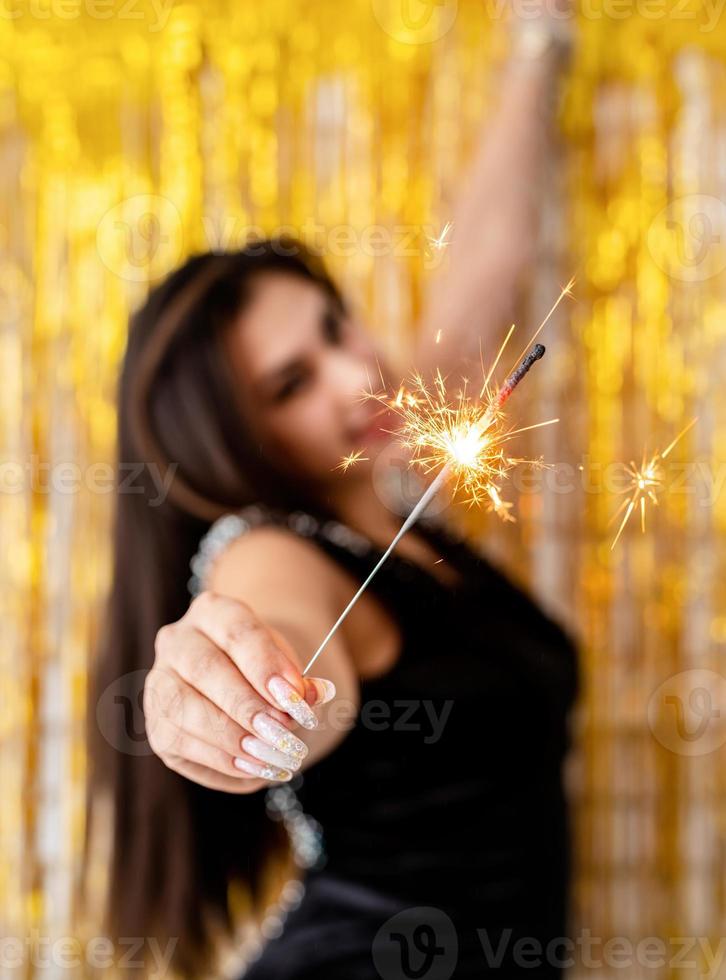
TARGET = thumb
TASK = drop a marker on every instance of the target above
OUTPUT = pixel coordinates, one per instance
(318, 690)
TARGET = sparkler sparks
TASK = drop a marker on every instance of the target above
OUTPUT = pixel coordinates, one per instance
(348, 461)
(466, 435)
(441, 241)
(646, 482)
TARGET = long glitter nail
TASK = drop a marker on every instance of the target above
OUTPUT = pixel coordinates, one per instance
(265, 772)
(265, 753)
(278, 736)
(292, 702)
(324, 689)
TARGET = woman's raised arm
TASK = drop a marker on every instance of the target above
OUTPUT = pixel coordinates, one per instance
(495, 219)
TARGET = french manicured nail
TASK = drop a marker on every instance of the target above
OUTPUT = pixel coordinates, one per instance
(324, 690)
(292, 702)
(265, 772)
(265, 753)
(276, 734)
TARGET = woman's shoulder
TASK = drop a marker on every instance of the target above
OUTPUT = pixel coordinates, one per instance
(259, 542)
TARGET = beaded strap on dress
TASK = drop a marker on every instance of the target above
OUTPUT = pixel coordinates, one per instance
(229, 527)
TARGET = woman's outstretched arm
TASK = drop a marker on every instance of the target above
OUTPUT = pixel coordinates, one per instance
(495, 218)
(225, 703)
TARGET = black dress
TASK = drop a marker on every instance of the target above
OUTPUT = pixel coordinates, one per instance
(442, 811)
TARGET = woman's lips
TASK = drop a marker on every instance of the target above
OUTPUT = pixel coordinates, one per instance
(372, 432)
(376, 429)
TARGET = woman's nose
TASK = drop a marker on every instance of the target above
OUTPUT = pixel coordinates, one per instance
(351, 376)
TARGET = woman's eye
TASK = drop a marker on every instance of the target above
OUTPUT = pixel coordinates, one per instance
(332, 327)
(289, 388)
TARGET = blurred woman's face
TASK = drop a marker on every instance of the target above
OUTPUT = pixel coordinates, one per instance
(303, 368)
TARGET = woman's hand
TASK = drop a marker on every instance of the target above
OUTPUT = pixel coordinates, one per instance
(225, 695)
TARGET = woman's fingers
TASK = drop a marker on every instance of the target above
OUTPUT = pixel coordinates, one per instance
(168, 699)
(223, 696)
(207, 669)
(177, 747)
(273, 672)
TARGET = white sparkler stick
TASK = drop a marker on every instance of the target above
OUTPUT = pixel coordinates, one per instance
(430, 493)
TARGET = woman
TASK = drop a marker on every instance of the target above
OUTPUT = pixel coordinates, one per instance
(430, 749)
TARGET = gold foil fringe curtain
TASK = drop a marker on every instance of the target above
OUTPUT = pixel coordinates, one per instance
(135, 133)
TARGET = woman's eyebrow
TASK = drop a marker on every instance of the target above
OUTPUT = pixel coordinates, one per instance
(329, 312)
(277, 374)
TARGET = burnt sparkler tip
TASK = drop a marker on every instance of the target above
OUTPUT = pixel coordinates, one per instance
(537, 351)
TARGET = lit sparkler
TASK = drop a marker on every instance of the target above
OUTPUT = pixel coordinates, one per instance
(464, 439)
(463, 445)
(646, 481)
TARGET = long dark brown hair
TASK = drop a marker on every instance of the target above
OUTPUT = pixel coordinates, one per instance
(176, 847)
